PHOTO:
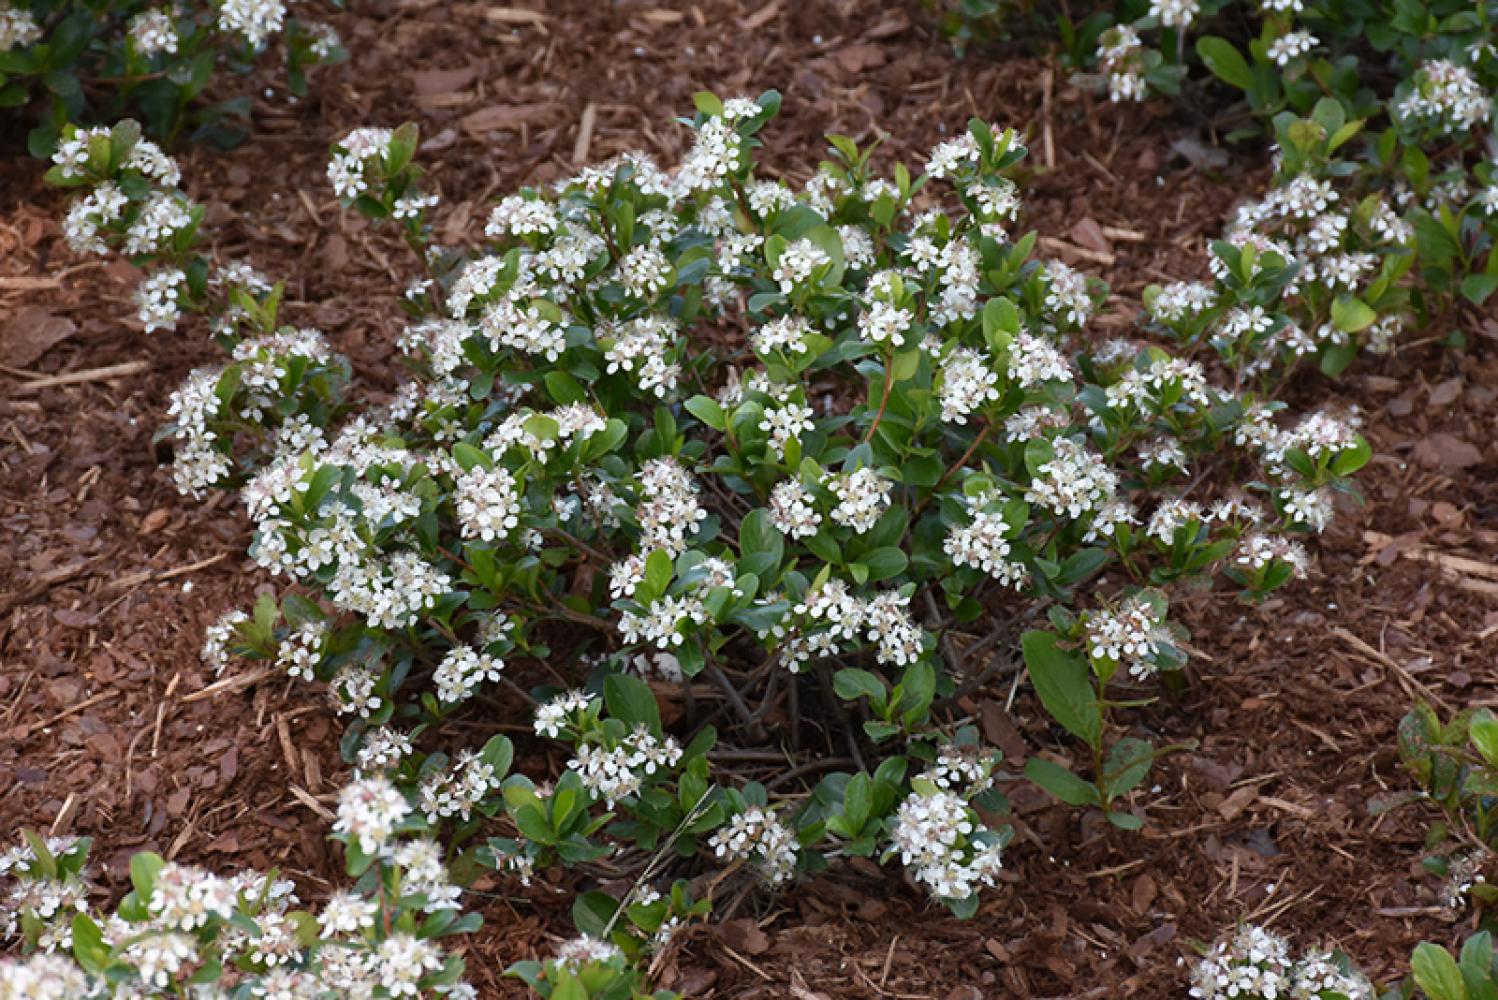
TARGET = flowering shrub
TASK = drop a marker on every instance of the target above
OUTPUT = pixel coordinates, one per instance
(1309, 271)
(1411, 88)
(183, 931)
(1455, 765)
(1382, 116)
(699, 439)
(98, 60)
(1256, 964)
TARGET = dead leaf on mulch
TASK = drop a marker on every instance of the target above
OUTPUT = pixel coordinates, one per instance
(1446, 451)
(31, 333)
(508, 117)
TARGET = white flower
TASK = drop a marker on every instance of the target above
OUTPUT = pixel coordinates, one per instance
(487, 503)
(791, 510)
(1445, 94)
(757, 835)
(1174, 13)
(984, 544)
(1131, 636)
(948, 157)
(1073, 482)
(157, 298)
(784, 424)
(797, 263)
(462, 670)
(1034, 362)
(153, 33)
(556, 714)
(1291, 46)
(934, 835)
(369, 810)
(18, 27)
(256, 20)
(354, 154)
(217, 638)
(884, 324)
(862, 497)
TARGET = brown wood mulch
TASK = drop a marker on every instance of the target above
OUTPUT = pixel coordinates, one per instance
(109, 725)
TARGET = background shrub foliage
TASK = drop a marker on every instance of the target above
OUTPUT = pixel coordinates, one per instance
(87, 61)
(1412, 83)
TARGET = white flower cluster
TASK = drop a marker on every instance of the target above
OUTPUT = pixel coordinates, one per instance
(1182, 300)
(462, 670)
(153, 33)
(1174, 13)
(300, 651)
(862, 496)
(369, 810)
(936, 835)
(669, 511)
(1075, 481)
(560, 712)
(1120, 57)
(1130, 636)
(792, 511)
(255, 20)
(1447, 95)
(1034, 361)
(456, 790)
(967, 384)
(983, 543)
(355, 153)
(618, 772)
(757, 835)
(1291, 46)
(1256, 964)
(487, 504)
(193, 922)
(18, 27)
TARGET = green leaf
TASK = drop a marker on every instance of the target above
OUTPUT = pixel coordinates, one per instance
(1128, 764)
(1336, 357)
(1225, 61)
(1484, 732)
(658, 573)
(1351, 315)
(707, 410)
(885, 563)
(88, 945)
(498, 753)
(1477, 967)
(630, 700)
(708, 103)
(1061, 783)
(144, 867)
(1437, 974)
(564, 389)
(852, 684)
(1477, 287)
(858, 798)
(1064, 684)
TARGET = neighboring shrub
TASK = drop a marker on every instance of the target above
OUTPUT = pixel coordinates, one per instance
(86, 61)
(1455, 765)
(1403, 94)
(1257, 964)
(182, 931)
(908, 433)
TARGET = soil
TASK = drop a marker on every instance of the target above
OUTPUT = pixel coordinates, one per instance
(113, 729)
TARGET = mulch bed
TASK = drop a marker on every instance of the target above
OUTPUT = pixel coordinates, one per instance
(110, 726)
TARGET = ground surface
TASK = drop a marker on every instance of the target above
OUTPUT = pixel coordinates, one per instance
(109, 726)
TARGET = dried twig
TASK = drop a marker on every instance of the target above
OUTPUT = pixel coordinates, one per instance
(78, 378)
